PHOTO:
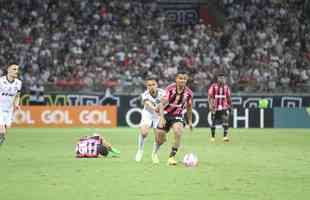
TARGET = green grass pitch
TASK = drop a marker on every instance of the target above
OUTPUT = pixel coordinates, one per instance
(263, 164)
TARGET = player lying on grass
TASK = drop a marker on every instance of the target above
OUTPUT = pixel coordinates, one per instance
(94, 146)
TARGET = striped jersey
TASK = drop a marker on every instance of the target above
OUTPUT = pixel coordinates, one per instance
(88, 147)
(220, 95)
(177, 102)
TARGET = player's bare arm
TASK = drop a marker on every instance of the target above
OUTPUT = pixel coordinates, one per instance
(229, 102)
(189, 111)
(210, 100)
(162, 105)
(17, 102)
(150, 105)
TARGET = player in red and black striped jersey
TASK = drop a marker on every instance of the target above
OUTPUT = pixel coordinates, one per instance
(94, 146)
(178, 98)
(219, 97)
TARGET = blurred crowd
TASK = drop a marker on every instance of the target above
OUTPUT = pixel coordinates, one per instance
(98, 45)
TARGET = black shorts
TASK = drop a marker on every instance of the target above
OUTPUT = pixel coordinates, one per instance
(217, 117)
(102, 150)
(170, 120)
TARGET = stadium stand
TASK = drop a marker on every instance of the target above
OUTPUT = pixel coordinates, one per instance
(264, 45)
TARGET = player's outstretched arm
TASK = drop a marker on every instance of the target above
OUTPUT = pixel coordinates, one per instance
(150, 105)
(162, 104)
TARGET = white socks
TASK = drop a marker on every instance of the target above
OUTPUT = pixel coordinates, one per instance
(141, 142)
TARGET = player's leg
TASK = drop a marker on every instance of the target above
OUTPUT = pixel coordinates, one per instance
(143, 134)
(177, 129)
(110, 148)
(141, 140)
(212, 126)
(146, 122)
(160, 138)
(2, 134)
(2, 127)
(144, 130)
(225, 118)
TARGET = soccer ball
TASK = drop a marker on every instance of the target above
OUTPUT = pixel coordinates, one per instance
(190, 160)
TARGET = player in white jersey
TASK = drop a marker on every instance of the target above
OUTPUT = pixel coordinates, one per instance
(10, 88)
(150, 117)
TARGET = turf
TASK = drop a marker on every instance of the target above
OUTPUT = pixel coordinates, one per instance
(264, 164)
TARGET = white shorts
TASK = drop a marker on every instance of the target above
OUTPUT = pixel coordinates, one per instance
(149, 119)
(6, 118)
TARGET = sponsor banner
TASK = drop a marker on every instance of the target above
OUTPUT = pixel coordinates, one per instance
(66, 116)
(239, 118)
(292, 117)
(251, 118)
(244, 101)
(126, 103)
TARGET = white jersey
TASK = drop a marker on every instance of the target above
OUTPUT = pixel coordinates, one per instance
(146, 96)
(8, 91)
(149, 117)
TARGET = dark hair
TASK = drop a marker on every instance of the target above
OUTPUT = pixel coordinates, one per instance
(102, 150)
(220, 74)
(12, 66)
(150, 78)
(183, 72)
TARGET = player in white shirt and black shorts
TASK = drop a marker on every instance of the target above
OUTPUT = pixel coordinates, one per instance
(150, 117)
(10, 87)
